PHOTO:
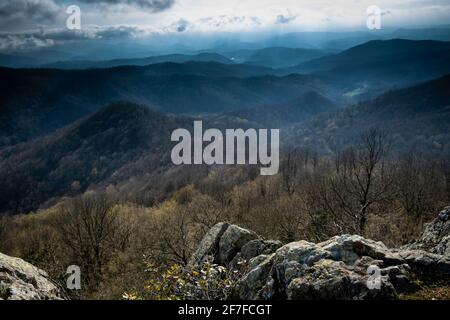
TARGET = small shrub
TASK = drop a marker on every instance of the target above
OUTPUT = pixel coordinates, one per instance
(208, 281)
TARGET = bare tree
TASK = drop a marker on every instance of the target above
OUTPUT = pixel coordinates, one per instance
(411, 190)
(290, 218)
(362, 178)
(289, 171)
(323, 206)
(174, 236)
(91, 229)
(420, 184)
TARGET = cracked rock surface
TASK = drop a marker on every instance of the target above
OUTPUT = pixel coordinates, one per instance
(20, 280)
(343, 267)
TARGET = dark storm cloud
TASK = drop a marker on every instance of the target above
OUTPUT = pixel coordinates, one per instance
(25, 13)
(95, 32)
(47, 38)
(12, 42)
(152, 5)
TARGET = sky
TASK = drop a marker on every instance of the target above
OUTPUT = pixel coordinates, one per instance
(42, 23)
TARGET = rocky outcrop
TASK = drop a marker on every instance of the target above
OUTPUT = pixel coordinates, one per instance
(436, 237)
(20, 280)
(343, 267)
(223, 242)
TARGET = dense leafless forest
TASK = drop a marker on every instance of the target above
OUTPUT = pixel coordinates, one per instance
(113, 234)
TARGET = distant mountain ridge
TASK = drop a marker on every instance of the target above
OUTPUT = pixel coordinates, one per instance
(296, 110)
(367, 70)
(38, 101)
(379, 55)
(282, 57)
(14, 61)
(415, 118)
(175, 58)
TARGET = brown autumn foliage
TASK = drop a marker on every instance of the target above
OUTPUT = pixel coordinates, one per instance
(114, 235)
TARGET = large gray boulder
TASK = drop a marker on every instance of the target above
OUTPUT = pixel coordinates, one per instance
(436, 237)
(231, 242)
(350, 248)
(329, 279)
(343, 267)
(259, 247)
(209, 246)
(335, 269)
(340, 268)
(20, 280)
(222, 242)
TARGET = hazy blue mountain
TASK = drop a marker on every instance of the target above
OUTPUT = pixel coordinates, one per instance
(92, 50)
(38, 101)
(440, 34)
(207, 69)
(176, 58)
(277, 115)
(337, 40)
(31, 57)
(406, 58)
(16, 61)
(279, 57)
(239, 56)
(369, 69)
(416, 118)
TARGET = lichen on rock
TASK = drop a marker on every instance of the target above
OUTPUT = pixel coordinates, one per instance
(20, 280)
(343, 267)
